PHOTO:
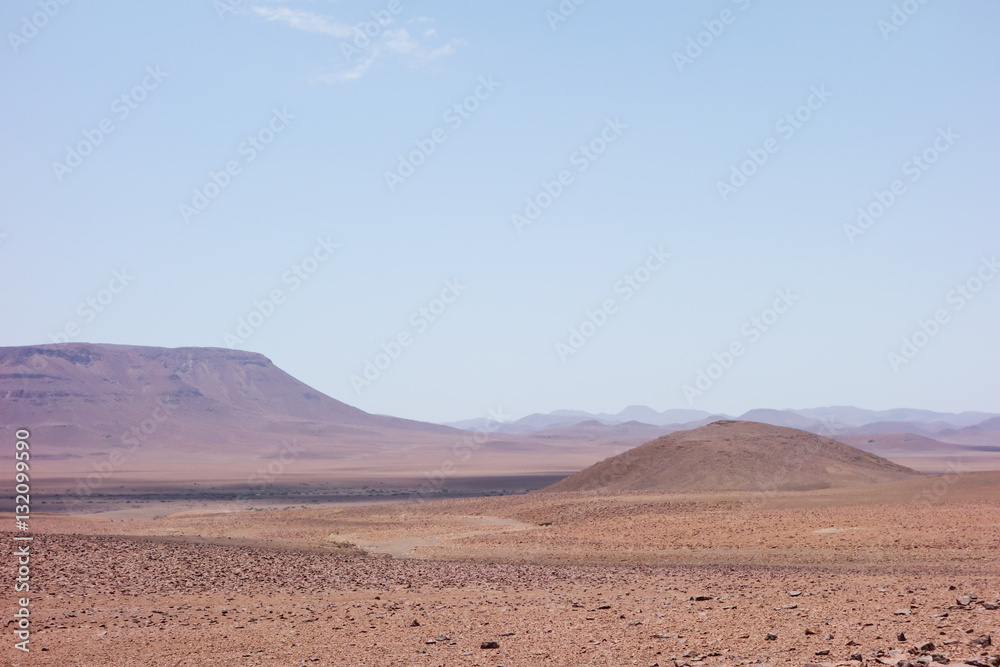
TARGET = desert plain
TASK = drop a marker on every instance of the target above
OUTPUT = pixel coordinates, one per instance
(881, 574)
(198, 506)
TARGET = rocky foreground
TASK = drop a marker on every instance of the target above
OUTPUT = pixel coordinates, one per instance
(131, 601)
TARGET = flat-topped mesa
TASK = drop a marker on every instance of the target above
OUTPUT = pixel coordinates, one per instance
(84, 399)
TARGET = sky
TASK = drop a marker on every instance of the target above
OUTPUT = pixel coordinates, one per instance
(433, 210)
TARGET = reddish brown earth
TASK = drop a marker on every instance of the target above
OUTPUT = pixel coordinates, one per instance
(738, 456)
(554, 579)
(180, 566)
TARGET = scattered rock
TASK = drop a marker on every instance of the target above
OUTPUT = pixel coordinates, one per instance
(770, 637)
(825, 651)
(902, 612)
(985, 640)
(810, 631)
(702, 598)
(486, 645)
(937, 657)
(415, 624)
(901, 636)
(795, 594)
(926, 647)
(964, 600)
(856, 657)
(828, 636)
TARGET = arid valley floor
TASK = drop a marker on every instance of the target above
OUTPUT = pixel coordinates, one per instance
(788, 578)
(200, 506)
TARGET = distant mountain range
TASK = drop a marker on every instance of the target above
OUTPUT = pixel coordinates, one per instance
(109, 415)
(563, 418)
(925, 440)
(831, 421)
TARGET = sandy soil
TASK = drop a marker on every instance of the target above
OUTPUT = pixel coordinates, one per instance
(553, 579)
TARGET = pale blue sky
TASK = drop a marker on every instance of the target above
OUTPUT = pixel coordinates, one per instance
(678, 134)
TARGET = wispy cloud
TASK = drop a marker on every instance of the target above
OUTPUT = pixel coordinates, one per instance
(308, 21)
(400, 42)
(346, 74)
(361, 49)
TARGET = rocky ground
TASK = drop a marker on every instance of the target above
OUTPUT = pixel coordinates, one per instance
(291, 588)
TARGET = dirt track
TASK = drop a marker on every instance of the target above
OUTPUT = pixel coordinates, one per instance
(612, 581)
